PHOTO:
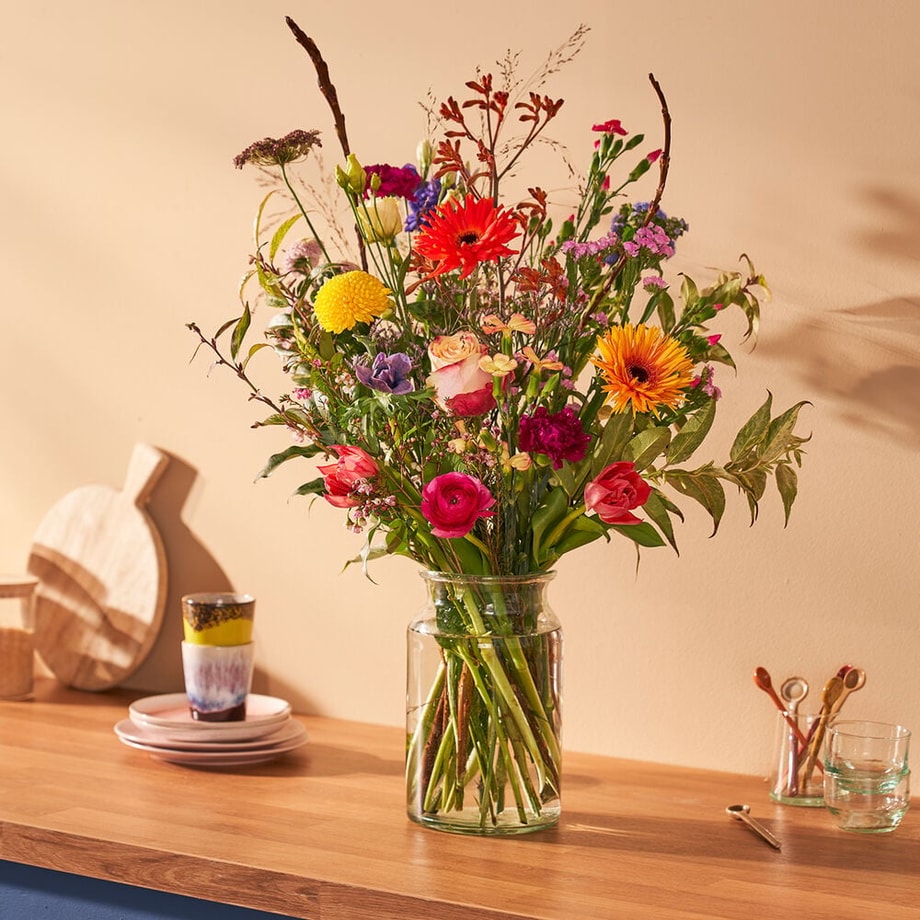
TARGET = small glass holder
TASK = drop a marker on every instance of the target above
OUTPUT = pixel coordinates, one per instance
(17, 643)
(791, 781)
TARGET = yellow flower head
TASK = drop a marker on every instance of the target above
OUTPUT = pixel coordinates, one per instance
(644, 369)
(498, 365)
(348, 299)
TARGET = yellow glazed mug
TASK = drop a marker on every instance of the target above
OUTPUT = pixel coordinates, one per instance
(212, 618)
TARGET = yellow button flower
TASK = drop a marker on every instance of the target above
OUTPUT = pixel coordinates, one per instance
(348, 299)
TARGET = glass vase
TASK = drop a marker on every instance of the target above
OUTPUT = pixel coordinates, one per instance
(483, 706)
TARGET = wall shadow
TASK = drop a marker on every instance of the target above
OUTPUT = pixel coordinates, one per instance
(190, 567)
(862, 362)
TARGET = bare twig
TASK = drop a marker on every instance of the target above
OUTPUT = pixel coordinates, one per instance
(327, 88)
(664, 161)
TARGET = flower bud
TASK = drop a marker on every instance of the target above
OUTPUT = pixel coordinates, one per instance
(380, 221)
(423, 154)
(352, 178)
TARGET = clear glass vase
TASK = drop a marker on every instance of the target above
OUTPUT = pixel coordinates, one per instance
(483, 706)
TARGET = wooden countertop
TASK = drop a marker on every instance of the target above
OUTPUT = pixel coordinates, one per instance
(322, 833)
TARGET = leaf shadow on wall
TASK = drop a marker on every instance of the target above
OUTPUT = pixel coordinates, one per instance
(866, 359)
(864, 362)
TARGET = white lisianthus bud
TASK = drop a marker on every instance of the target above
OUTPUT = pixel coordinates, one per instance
(380, 220)
(423, 155)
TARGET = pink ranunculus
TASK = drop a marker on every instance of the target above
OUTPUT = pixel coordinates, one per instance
(353, 467)
(453, 502)
(617, 489)
(461, 386)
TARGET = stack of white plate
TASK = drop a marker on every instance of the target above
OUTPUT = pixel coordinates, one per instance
(164, 728)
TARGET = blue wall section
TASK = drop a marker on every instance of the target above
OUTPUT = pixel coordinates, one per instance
(27, 893)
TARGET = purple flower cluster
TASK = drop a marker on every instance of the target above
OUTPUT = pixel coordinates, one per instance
(425, 198)
(653, 238)
(559, 435)
(387, 374)
(592, 248)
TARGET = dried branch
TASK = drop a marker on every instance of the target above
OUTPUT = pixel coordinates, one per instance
(327, 88)
(325, 84)
(664, 161)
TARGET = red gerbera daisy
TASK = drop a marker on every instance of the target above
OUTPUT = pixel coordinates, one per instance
(463, 234)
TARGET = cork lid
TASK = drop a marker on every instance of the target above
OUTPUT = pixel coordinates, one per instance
(17, 585)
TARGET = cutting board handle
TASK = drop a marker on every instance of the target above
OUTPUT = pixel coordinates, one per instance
(144, 469)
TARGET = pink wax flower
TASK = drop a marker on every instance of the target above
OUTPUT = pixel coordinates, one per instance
(615, 491)
(453, 502)
(342, 479)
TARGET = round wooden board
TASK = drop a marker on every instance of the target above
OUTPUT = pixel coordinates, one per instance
(102, 579)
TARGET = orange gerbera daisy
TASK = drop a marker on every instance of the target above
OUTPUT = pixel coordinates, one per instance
(645, 370)
(464, 233)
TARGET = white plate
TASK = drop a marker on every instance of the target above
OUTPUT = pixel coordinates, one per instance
(169, 711)
(154, 736)
(220, 758)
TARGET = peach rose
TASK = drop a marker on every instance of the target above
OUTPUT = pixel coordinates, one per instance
(461, 386)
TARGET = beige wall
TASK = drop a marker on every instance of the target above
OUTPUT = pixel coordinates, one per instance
(795, 140)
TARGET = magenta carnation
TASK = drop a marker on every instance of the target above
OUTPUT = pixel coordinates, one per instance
(453, 502)
(560, 436)
(397, 181)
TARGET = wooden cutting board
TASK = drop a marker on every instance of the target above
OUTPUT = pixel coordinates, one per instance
(102, 579)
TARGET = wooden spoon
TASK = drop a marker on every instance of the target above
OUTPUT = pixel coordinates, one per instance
(829, 696)
(765, 682)
(853, 680)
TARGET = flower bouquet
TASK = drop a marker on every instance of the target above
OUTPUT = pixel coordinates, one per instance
(488, 387)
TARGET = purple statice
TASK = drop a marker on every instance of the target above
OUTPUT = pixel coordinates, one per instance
(395, 181)
(634, 215)
(387, 374)
(652, 238)
(559, 435)
(425, 198)
(591, 248)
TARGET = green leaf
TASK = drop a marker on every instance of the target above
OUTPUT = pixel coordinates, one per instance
(239, 332)
(313, 487)
(614, 438)
(279, 235)
(647, 446)
(296, 450)
(553, 509)
(643, 534)
(693, 433)
(659, 510)
(702, 486)
(257, 228)
(666, 317)
(787, 482)
(753, 431)
(780, 436)
(252, 350)
(689, 293)
(582, 531)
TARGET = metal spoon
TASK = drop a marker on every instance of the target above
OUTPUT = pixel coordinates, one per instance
(854, 679)
(793, 690)
(741, 812)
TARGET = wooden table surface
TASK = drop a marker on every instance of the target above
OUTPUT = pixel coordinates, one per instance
(321, 833)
